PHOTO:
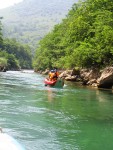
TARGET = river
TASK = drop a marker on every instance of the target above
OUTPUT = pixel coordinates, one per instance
(43, 118)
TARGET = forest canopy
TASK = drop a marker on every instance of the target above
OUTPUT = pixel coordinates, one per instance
(83, 39)
(13, 55)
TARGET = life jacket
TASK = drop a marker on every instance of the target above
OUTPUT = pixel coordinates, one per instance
(53, 75)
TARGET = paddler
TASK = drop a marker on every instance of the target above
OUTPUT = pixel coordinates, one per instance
(53, 75)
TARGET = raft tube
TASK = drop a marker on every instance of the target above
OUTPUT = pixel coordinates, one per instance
(9, 143)
(57, 83)
(48, 82)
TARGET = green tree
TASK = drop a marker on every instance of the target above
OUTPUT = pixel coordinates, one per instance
(1, 38)
(84, 38)
(3, 62)
(13, 63)
(20, 52)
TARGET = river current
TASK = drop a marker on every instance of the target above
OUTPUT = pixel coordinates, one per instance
(43, 118)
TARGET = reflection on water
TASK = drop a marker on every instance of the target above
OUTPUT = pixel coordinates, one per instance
(50, 94)
(44, 118)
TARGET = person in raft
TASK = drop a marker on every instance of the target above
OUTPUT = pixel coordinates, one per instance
(53, 75)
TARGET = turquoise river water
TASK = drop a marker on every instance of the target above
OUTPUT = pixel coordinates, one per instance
(43, 118)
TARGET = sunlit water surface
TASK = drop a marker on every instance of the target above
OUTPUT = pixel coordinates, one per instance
(43, 118)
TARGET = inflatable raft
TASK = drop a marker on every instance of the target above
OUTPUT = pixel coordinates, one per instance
(56, 83)
(9, 143)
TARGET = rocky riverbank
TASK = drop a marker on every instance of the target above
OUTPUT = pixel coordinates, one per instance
(89, 77)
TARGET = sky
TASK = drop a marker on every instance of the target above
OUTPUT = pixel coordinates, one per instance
(7, 3)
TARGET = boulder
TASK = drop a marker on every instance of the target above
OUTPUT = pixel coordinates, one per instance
(89, 76)
(92, 83)
(45, 72)
(71, 78)
(70, 75)
(65, 74)
(106, 78)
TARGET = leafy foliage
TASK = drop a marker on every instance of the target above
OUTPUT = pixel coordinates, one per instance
(3, 61)
(19, 55)
(14, 55)
(1, 39)
(83, 39)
